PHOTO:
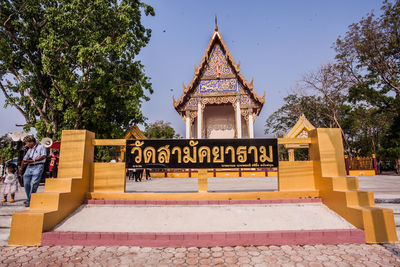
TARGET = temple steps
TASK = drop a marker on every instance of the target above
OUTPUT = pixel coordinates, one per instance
(203, 223)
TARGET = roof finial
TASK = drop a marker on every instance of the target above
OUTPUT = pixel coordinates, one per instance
(216, 23)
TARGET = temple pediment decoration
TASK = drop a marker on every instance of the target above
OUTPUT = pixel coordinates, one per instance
(219, 102)
(217, 79)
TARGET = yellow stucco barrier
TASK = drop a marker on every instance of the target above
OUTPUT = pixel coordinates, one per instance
(323, 176)
(62, 195)
(341, 193)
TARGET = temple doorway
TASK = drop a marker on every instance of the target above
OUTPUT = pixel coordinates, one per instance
(219, 121)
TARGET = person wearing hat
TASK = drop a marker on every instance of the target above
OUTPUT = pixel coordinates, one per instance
(34, 159)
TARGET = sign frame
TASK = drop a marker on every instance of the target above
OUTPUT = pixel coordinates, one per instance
(202, 153)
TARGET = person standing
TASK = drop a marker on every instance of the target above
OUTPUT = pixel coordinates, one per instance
(10, 183)
(53, 169)
(34, 159)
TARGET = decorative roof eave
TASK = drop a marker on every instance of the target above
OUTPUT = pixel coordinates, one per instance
(135, 132)
(247, 85)
(301, 124)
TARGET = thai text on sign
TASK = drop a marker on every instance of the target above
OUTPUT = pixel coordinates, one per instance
(202, 153)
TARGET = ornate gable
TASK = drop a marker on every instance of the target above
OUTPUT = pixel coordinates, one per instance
(218, 80)
(300, 129)
(217, 63)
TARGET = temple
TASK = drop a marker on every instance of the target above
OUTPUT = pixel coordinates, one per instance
(219, 102)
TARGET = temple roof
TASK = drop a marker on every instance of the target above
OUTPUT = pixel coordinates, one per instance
(301, 125)
(248, 86)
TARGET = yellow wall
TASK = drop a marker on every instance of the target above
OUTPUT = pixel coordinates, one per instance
(296, 175)
(341, 193)
(62, 195)
(108, 177)
(323, 176)
(361, 172)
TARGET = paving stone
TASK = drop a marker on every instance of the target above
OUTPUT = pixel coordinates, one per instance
(192, 255)
(205, 261)
(167, 255)
(218, 261)
(258, 259)
(254, 253)
(231, 260)
(178, 261)
(145, 250)
(299, 256)
(191, 261)
(218, 254)
(215, 249)
(244, 260)
(204, 255)
(242, 253)
(183, 249)
(296, 258)
(229, 254)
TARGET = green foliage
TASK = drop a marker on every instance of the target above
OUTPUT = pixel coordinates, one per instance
(71, 64)
(370, 53)
(6, 152)
(359, 93)
(285, 117)
(363, 126)
(106, 153)
(160, 130)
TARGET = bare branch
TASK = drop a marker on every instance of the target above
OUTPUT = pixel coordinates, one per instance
(9, 98)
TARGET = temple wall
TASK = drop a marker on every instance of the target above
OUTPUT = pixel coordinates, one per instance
(219, 121)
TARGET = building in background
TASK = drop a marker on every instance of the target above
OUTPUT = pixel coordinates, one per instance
(219, 102)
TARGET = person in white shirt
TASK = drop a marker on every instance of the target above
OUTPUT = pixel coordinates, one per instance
(10, 185)
(34, 159)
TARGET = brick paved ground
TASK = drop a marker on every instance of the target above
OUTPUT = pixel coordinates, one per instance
(318, 255)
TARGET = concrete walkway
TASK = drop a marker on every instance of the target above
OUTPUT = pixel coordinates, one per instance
(240, 184)
(208, 218)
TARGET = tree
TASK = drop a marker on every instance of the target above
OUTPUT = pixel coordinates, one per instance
(160, 130)
(6, 151)
(321, 96)
(71, 64)
(331, 83)
(370, 53)
(294, 105)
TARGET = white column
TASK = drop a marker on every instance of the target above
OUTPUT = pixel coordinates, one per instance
(187, 125)
(238, 120)
(199, 119)
(251, 129)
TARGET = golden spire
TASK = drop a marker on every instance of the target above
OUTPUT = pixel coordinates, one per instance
(216, 23)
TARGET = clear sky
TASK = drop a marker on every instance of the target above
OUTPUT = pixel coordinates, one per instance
(276, 42)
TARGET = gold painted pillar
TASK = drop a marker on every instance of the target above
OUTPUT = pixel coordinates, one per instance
(202, 180)
(291, 154)
(188, 124)
(251, 128)
(199, 120)
(238, 120)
